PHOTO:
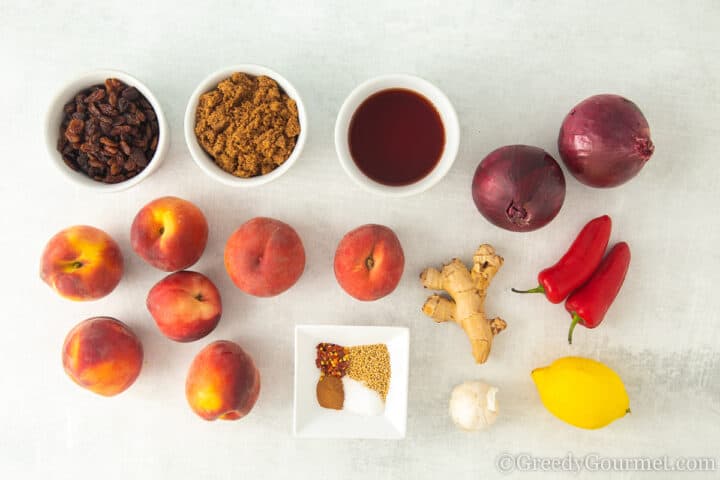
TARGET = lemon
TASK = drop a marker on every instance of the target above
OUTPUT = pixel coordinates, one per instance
(582, 392)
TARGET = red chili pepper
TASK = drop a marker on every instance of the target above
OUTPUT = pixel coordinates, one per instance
(590, 303)
(578, 263)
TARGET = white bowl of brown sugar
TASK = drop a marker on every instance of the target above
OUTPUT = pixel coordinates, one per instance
(245, 125)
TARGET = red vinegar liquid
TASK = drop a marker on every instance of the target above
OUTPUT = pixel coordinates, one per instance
(396, 137)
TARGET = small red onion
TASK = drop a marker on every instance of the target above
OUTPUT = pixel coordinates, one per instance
(519, 188)
(605, 141)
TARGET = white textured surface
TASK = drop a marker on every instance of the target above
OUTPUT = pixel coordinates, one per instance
(512, 69)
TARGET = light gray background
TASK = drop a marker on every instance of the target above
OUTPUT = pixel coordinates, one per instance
(512, 69)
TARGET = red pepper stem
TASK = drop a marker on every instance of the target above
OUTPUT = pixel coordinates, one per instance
(575, 320)
(538, 289)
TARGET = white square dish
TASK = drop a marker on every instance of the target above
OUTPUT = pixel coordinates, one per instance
(313, 421)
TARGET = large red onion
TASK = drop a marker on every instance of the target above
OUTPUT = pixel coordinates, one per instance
(605, 141)
(519, 188)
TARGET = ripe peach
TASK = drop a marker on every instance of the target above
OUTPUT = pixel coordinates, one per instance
(186, 306)
(369, 262)
(264, 257)
(169, 233)
(82, 263)
(223, 382)
(103, 355)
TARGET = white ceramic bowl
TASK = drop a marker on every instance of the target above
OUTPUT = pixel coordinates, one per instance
(311, 420)
(54, 117)
(423, 87)
(205, 162)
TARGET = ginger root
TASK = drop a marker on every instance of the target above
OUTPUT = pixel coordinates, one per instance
(467, 289)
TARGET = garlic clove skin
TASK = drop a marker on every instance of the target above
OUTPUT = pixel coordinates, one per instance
(473, 405)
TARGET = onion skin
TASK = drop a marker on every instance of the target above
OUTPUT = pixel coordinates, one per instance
(605, 141)
(519, 188)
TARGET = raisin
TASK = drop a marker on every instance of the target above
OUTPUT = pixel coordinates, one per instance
(108, 142)
(130, 93)
(75, 126)
(112, 85)
(108, 131)
(72, 137)
(97, 95)
(108, 110)
(138, 156)
(123, 104)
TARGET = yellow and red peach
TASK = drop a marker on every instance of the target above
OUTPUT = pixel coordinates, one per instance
(186, 306)
(264, 257)
(169, 233)
(102, 355)
(82, 263)
(369, 262)
(223, 382)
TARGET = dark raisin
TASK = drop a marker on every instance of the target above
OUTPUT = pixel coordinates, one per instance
(93, 109)
(123, 104)
(108, 110)
(131, 93)
(69, 162)
(138, 156)
(131, 119)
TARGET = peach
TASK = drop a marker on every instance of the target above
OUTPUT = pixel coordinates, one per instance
(223, 382)
(82, 263)
(186, 306)
(369, 262)
(103, 355)
(264, 257)
(169, 233)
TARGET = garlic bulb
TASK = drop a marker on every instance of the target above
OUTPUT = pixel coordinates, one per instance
(473, 405)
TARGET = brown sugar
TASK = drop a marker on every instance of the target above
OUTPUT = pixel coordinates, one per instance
(247, 124)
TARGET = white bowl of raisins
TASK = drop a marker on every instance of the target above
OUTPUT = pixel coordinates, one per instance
(105, 130)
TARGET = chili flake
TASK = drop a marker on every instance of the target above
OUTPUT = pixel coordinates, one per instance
(331, 359)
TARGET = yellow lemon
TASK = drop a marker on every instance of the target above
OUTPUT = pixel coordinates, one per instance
(582, 392)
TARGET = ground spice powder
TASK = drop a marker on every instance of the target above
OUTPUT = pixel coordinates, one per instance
(330, 392)
(247, 124)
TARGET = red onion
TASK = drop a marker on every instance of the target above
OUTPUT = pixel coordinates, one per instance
(519, 188)
(605, 141)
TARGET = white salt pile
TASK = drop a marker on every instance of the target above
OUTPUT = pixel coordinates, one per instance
(360, 399)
